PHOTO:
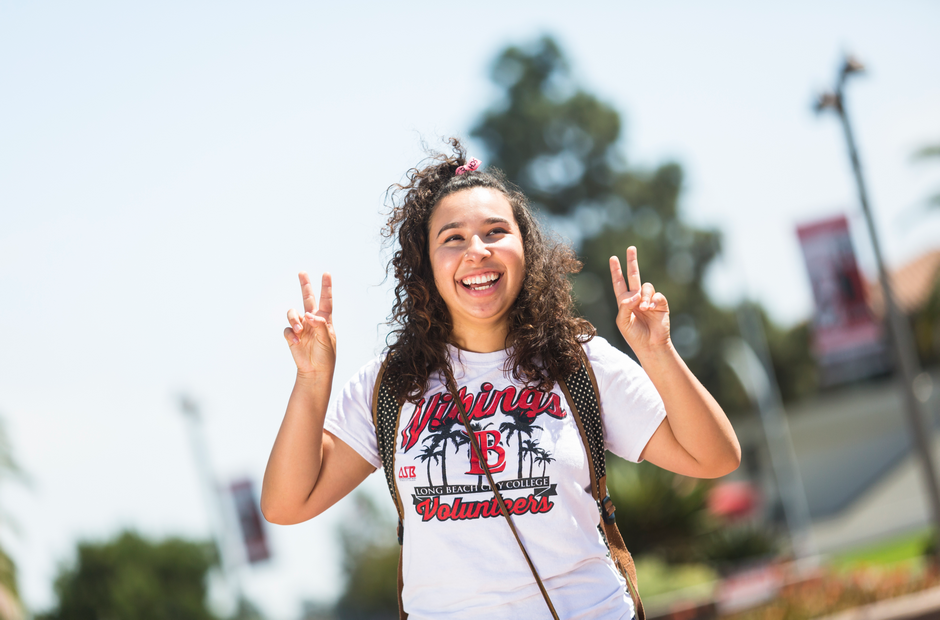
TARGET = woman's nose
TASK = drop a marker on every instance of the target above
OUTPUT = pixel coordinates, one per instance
(477, 250)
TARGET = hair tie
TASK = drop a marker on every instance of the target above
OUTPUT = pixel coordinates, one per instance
(470, 166)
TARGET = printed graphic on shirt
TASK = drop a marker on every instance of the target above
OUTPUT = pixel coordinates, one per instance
(507, 443)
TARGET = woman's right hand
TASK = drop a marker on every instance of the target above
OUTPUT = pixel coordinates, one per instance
(311, 336)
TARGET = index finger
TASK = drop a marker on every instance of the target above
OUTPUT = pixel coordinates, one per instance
(616, 277)
(306, 289)
(633, 270)
(326, 295)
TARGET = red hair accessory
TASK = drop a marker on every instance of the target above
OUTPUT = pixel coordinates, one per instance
(470, 166)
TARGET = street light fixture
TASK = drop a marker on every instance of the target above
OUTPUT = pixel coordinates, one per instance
(899, 328)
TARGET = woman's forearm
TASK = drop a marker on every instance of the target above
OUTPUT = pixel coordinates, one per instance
(696, 421)
(295, 462)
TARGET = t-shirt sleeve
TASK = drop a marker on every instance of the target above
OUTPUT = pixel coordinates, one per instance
(349, 416)
(631, 408)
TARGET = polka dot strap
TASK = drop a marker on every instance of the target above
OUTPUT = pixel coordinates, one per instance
(581, 394)
(386, 410)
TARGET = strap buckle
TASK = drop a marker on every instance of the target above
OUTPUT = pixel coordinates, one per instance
(608, 510)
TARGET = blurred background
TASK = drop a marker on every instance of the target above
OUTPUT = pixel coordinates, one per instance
(166, 170)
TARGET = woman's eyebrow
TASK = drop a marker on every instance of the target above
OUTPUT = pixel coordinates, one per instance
(449, 226)
(487, 222)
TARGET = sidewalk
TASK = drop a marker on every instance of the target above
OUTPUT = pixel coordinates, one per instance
(918, 606)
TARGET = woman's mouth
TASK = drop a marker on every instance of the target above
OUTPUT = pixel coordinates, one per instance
(481, 282)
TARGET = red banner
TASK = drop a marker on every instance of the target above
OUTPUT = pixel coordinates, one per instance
(845, 332)
(248, 511)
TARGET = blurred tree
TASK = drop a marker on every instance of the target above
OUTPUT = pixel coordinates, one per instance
(370, 563)
(561, 145)
(657, 511)
(10, 603)
(930, 152)
(925, 323)
(132, 578)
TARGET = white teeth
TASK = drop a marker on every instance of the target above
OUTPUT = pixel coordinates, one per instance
(480, 279)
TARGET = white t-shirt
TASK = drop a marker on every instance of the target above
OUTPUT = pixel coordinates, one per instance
(460, 558)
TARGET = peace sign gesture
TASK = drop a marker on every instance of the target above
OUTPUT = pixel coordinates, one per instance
(311, 336)
(642, 313)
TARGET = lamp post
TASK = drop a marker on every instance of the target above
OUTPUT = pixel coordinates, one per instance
(899, 328)
(220, 532)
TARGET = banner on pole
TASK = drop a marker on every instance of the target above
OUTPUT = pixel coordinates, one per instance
(248, 511)
(848, 341)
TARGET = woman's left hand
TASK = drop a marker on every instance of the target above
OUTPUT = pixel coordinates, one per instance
(642, 313)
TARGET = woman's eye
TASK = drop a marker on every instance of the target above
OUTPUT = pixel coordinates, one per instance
(498, 231)
(453, 238)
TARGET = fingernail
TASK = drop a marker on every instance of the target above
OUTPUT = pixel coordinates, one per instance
(297, 327)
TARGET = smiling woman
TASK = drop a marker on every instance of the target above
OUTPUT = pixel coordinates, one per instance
(484, 353)
(478, 264)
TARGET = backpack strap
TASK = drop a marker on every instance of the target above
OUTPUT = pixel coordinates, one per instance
(583, 398)
(386, 411)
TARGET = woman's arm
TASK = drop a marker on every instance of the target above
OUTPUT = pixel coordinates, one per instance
(309, 470)
(696, 439)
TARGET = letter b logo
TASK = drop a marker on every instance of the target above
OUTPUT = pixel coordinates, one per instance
(489, 442)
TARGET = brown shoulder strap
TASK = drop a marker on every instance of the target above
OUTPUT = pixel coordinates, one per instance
(583, 398)
(478, 452)
(386, 411)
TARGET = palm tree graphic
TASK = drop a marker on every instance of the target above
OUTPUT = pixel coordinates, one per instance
(522, 425)
(430, 452)
(543, 457)
(445, 432)
(530, 447)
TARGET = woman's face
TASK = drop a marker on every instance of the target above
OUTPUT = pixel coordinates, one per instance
(476, 254)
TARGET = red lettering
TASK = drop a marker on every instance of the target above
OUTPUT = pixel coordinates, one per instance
(554, 408)
(433, 508)
(491, 400)
(475, 509)
(431, 413)
(427, 508)
(418, 422)
(455, 509)
(407, 472)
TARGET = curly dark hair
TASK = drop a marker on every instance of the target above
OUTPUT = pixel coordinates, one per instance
(544, 332)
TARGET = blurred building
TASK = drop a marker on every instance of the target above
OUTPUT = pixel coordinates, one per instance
(852, 441)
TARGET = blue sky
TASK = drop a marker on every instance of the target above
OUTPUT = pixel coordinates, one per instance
(167, 169)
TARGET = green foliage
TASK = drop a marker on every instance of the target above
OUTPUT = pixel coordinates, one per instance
(930, 152)
(663, 514)
(133, 578)
(792, 359)
(657, 578)
(561, 145)
(728, 547)
(925, 325)
(8, 574)
(910, 548)
(370, 563)
(8, 470)
(658, 511)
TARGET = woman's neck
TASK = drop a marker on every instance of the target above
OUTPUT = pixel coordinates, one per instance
(480, 338)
